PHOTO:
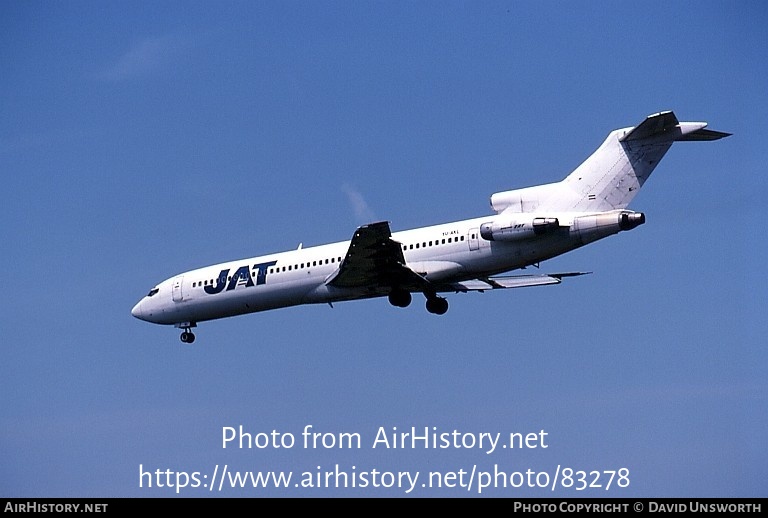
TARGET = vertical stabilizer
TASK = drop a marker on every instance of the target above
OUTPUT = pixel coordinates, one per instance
(613, 175)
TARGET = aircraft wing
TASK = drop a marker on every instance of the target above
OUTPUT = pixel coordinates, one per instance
(511, 281)
(375, 260)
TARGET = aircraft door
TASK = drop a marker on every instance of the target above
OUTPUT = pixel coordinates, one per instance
(472, 238)
(176, 288)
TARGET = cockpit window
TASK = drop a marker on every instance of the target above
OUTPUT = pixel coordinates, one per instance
(153, 291)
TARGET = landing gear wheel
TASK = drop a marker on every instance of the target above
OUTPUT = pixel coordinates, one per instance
(187, 337)
(400, 298)
(437, 305)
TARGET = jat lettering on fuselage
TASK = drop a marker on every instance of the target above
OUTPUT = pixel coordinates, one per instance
(241, 276)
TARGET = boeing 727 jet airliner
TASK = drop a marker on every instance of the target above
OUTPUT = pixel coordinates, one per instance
(530, 225)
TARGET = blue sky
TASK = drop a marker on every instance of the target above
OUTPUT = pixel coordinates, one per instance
(143, 139)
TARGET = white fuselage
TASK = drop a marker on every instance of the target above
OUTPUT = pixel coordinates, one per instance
(441, 253)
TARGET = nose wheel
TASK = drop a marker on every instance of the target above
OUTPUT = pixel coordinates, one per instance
(187, 336)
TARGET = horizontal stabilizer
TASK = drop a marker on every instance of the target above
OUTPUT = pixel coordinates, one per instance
(513, 281)
(705, 134)
(666, 124)
(656, 124)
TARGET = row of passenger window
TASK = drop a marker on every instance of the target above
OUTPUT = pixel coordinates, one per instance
(332, 260)
(278, 269)
(434, 243)
(275, 269)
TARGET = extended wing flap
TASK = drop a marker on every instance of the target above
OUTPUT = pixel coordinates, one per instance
(513, 281)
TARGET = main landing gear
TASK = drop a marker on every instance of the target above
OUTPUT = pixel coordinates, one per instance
(435, 304)
(400, 298)
(187, 336)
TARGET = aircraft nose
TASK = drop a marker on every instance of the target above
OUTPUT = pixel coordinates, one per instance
(137, 312)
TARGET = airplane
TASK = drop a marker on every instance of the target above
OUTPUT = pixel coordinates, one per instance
(530, 225)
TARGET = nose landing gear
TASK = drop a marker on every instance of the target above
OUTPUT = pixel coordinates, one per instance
(187, 336)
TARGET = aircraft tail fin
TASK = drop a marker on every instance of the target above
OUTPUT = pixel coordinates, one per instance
(613, 175)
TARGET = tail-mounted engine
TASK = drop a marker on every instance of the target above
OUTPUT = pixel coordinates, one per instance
(630, 220)
(585, 227)
(507, 229)
(597, 226)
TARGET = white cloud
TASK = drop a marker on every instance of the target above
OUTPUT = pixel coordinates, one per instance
(145, 56)
(359, 205)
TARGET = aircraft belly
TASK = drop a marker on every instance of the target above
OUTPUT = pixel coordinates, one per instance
(326, 293)
(244, 300)
(437, 271)
(507, 256)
